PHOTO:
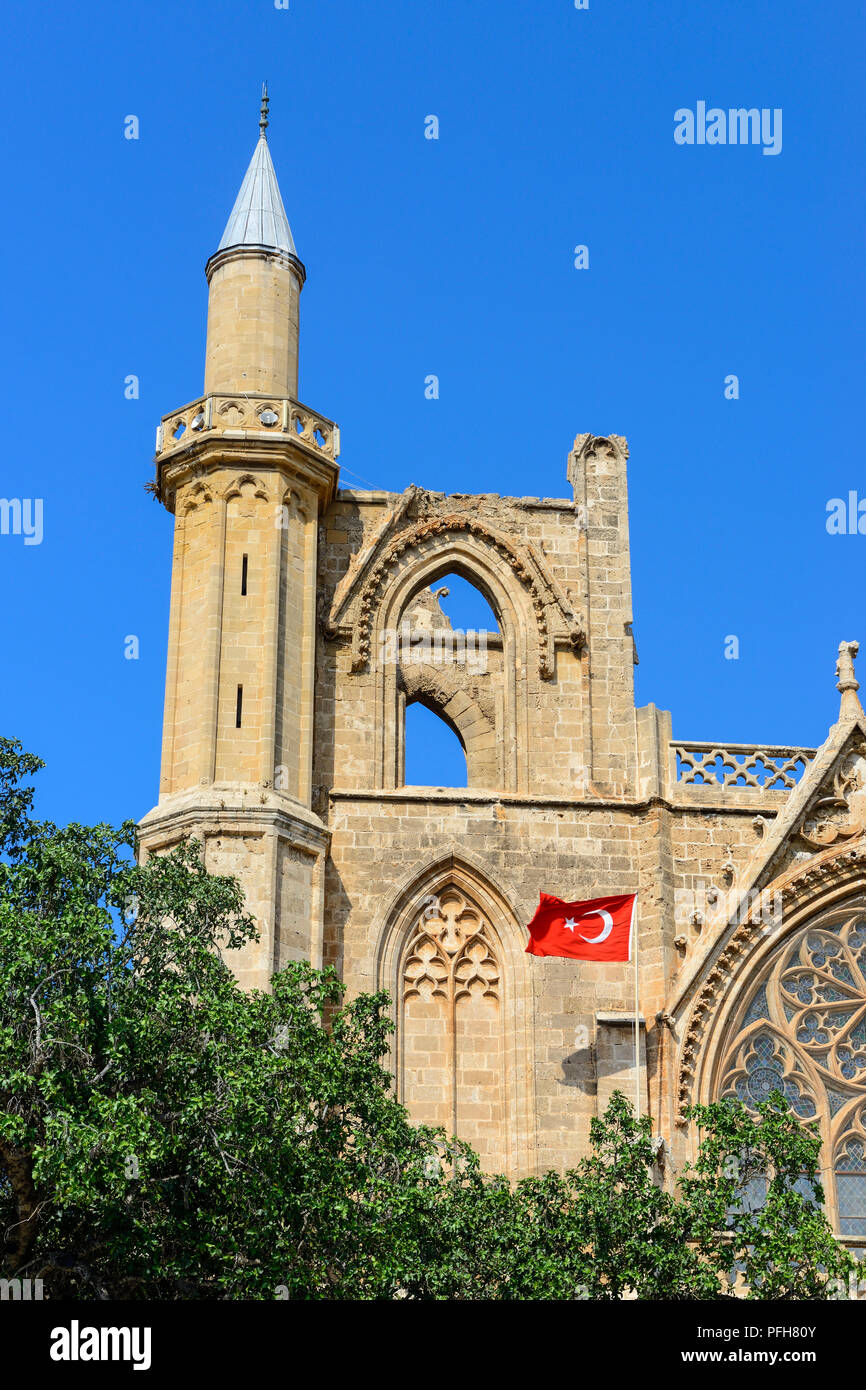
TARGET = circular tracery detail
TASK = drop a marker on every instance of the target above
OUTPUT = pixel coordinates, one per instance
(807, 1018)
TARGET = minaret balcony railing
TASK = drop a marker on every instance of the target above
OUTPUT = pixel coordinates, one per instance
(247, 417)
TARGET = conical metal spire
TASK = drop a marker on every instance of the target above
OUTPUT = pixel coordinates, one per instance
(258, 217)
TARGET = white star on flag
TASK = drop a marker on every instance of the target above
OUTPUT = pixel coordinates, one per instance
(570, 924)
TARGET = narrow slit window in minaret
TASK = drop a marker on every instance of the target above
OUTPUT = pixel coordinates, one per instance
(240, 707)
(244, 576)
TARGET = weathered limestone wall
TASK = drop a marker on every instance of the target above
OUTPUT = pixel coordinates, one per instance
(585, 801)
(383, 841)
(378, 842)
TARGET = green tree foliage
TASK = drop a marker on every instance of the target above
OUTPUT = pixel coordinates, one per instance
(165, 1135)
(757, 1179)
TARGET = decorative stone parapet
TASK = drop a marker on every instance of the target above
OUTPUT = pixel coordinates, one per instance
(246, 417)
(764, 766)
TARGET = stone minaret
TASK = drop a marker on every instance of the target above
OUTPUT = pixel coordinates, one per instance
(246, 470)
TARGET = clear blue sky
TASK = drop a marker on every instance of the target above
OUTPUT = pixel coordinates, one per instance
(452, 257)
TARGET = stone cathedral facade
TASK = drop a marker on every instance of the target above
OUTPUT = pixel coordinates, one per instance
(304, 621)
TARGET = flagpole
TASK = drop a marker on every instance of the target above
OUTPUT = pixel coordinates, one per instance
(634, 933)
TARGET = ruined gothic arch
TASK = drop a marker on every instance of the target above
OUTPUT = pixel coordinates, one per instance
(470, 716)
(785, 1008)
(450, 953)
(479, 562)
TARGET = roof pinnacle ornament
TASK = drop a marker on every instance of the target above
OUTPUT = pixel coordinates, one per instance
(263, 116)
(847, 683)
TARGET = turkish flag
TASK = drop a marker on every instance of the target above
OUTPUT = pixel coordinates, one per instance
(599, 929)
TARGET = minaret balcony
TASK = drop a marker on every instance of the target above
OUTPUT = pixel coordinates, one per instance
(247, 417)
(218, 430)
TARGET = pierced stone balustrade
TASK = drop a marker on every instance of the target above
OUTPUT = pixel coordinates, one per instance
(741, 765)
(245, 417)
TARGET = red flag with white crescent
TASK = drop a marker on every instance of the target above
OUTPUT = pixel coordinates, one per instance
(599, 929)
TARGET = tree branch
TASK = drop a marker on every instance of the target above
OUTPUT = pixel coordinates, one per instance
(19, 1169)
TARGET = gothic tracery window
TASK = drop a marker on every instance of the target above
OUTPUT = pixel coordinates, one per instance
(451, 1024)
(802, 1031)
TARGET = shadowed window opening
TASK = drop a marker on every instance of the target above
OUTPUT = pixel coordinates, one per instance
(240, 707)
(244, 576)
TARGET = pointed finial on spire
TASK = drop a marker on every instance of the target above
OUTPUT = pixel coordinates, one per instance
(263, 118)
(847, 683)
